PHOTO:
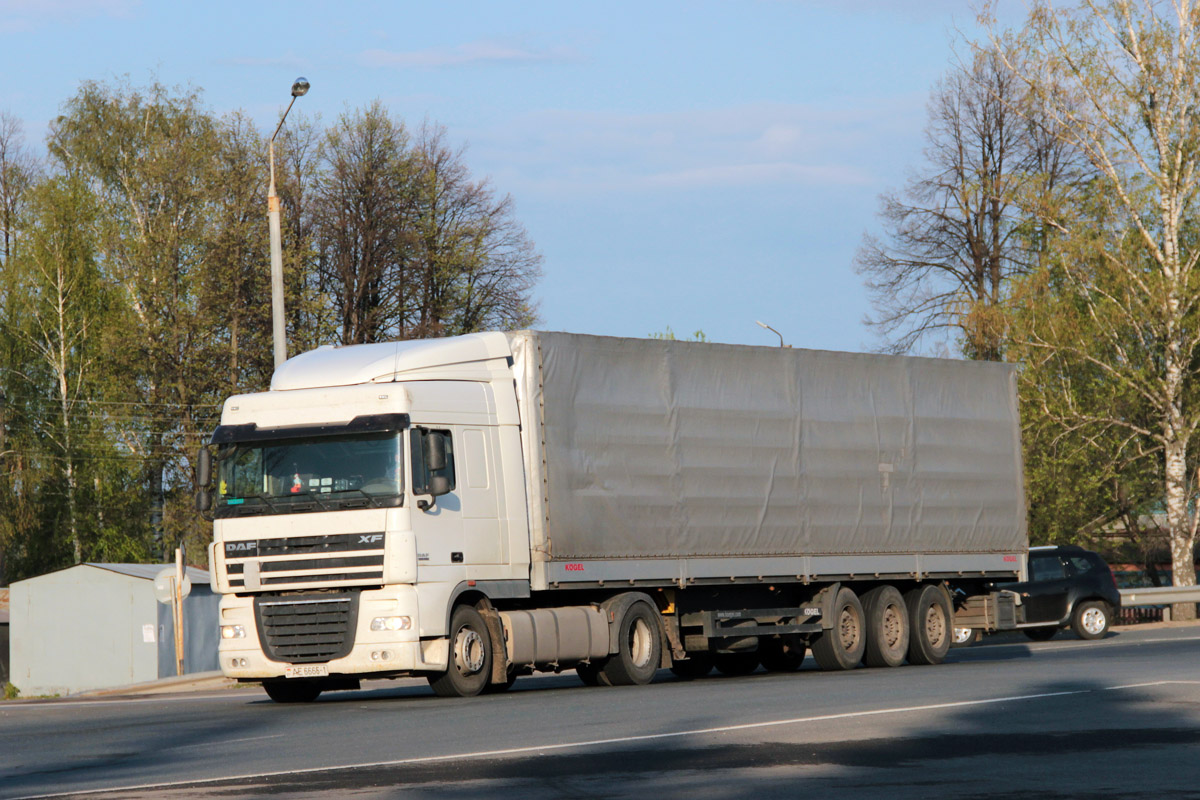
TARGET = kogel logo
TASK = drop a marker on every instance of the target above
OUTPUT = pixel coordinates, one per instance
(239, 549)
(573, 567)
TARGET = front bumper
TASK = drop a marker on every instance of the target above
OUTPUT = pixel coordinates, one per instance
(372, 653)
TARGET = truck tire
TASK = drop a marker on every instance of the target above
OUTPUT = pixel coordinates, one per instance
(639, 648)
(470, 661)
(841, 647)
(503, 686)
(696, 665)
(736, 664)
(292, 691)
(888, 630)
(1042, 634)
(1090, 619)
(589, 673)
(930, 625)
(784, 654)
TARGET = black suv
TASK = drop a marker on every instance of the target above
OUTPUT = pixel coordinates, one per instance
(1067, 586)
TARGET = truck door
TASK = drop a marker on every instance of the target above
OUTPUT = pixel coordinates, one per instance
(462, 526)
(436, 520)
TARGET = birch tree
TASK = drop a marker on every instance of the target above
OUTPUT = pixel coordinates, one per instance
(972, 218)
(1120, 80)
(61, 323)
(149, 156)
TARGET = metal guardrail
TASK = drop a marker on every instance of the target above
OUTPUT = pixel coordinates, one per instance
(1160, 595)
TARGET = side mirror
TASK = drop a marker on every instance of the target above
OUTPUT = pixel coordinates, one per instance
(204, 467)
(439, 485)
(435, 454)
(203, 500)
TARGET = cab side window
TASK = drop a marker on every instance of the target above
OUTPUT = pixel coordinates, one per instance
(426, 443)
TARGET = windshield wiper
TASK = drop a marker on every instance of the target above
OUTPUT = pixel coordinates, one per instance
(242, 508)
(373, 499)
(311, 496)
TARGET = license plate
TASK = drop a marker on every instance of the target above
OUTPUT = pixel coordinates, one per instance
(306, 671)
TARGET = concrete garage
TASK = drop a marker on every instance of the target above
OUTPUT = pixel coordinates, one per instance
(94, 626)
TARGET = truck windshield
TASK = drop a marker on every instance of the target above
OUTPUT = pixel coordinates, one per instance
(320, 473)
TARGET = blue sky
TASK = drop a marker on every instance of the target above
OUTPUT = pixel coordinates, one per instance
(697, 165)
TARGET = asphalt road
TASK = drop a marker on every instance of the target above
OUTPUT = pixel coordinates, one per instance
(1117, 718)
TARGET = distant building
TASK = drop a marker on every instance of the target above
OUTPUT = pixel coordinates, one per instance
(96, 626)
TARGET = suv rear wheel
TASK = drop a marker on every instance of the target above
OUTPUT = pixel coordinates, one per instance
(1091, 619)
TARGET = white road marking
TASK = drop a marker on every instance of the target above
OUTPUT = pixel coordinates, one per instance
(546, 748)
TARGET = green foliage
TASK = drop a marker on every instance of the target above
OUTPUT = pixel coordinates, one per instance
(669, 335)
(11, 692)
(134, 295)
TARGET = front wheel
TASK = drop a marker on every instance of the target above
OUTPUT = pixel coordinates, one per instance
(470, 656)
(1090, 620)
(292, 691)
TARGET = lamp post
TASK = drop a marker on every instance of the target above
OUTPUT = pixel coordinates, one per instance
(772, 330)
(299, 89)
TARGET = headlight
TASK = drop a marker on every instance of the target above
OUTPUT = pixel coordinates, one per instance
(233, 632)
(391, 623)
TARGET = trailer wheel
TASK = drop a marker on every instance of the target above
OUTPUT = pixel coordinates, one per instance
(784, 654)
(930, 624)
(470, 656)
(1090, 619)
(292, 691)
(888, 630)
(841, 647)
(639, 648)
(696, 665)
(736, 664)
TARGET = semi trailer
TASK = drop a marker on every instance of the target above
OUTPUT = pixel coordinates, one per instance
(475, 508)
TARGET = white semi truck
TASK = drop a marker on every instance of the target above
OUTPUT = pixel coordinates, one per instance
(475, 508)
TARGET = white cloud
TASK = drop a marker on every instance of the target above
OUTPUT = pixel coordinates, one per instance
(480, 52)
(730, 175)
(765, 144)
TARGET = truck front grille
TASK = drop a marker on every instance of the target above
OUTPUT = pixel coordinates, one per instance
(301, 561)
(303, 628)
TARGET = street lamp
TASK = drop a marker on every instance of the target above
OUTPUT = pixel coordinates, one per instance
(772, 330)
(299, 89)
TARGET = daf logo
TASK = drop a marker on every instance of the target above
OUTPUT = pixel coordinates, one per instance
(235, 547)
(370, 538)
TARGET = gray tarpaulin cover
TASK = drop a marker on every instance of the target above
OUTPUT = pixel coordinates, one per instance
(677, 449)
